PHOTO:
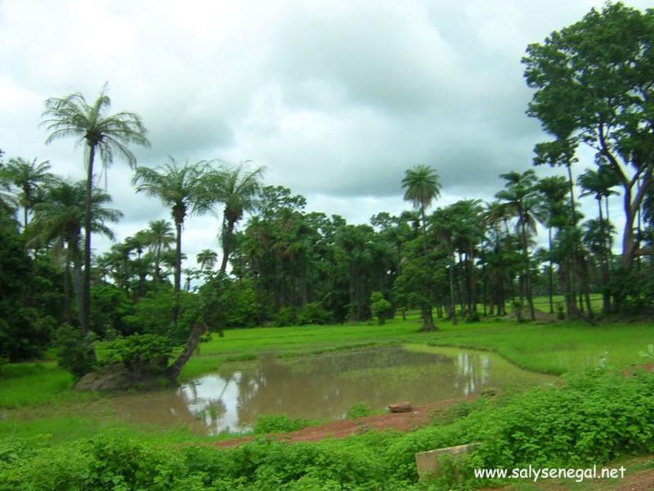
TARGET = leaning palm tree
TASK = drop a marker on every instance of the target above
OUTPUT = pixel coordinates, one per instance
(28, 177)
(102, 134)
(422, 186)
(180, 188)
(58, 222)
(238, 189)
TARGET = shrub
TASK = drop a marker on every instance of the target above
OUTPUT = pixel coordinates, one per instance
(141, 354)
(380, 307)
(74, 353)
(278, 423)
(360, 410)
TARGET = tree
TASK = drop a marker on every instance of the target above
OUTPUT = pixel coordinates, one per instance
(102, 134)
(519, 196)
(28, 177)
(598, 183)
(422, 186)
(238, 189)
(160, 237)
(593, 85)
(180, 188)
(553, 190)
(58, 221)
(207, 259)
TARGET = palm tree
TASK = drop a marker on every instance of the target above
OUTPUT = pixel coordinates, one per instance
(28, 177)
(103, 134)
(598, 183)
(180, 188)
(519, 195)
(238, 189)
(207, 259)
(160, 237)
(422, 186)
(553, 191)
(58, 221)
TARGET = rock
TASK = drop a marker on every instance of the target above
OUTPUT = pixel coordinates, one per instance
(429, 463)
(401, 407)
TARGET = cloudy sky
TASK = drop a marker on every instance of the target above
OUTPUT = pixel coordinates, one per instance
(335, 98)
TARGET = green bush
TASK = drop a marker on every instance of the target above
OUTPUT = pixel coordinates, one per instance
(74, 353)
(380, 307)
(278, 423)
(360, 410)
(141, 354)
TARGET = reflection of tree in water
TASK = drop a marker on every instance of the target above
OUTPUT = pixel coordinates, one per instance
(472, 372)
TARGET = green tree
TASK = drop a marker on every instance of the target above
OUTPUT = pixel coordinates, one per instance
(238, 189)
(160, 236)
(556, 216)
(593, 85)
(58, 222)
(28, 177)
(180, 187)
(520, 197)
(599, 183)
(102, 134)
(207, 259)
(422, 186)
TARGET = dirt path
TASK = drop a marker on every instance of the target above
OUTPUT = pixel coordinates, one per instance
(420, 416)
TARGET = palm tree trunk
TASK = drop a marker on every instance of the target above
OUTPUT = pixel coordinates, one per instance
(85, 307)
(227, 245)
(178, 270)
(427, 313)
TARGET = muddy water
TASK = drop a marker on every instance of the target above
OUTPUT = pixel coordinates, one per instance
(322, 386)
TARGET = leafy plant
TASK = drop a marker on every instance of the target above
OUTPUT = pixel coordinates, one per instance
(360, 410)
(141, 354)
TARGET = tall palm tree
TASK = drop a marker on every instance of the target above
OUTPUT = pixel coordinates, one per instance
(598, 183)
(422, 186)
(58, 221)
(180, 188)
(28, 177)
(519, 195)
(555, 211)
(238, 188)
(102, 134)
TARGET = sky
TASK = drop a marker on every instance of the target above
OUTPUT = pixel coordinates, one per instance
(335, 98)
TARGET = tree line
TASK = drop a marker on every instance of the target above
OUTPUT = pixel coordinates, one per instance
(279, 264)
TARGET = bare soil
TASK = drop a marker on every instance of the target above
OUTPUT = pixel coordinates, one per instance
(419, 416)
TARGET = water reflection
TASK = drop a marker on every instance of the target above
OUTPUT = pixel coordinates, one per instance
(322, 387)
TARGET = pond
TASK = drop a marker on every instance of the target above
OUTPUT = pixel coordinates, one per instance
(322, 387)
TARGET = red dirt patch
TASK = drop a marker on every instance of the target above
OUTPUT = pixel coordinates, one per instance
(420, 416)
